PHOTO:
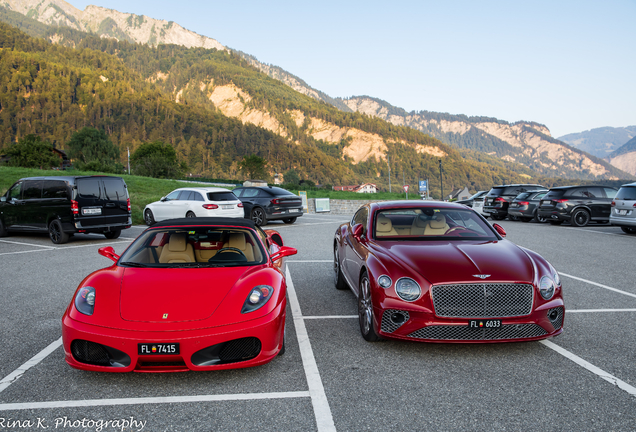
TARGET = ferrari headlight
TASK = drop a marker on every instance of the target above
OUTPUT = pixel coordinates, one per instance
(407, 289)
(85, 300)
(384, 281)
(546, 287)
(257, 298)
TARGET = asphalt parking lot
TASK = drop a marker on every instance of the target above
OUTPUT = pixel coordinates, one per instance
(330, 378)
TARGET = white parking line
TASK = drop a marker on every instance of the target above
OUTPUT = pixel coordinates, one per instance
(599, 310)
(51, 248)
(593, 231)
(589, 366)
(598, 285)
(309, 261)
(151, 400)
(324, 419)
(27, 244)
(16, 374)
(329, 317)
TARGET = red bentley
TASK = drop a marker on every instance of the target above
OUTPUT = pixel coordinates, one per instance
(439, 272)
(187, 294)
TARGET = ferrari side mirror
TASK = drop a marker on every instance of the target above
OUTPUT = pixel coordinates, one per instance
(109, 253)
(283, 252)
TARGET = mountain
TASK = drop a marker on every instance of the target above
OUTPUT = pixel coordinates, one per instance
(525, 143)
(600, 141)
(625, 157)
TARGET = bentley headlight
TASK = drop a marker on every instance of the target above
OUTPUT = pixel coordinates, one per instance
(546, 287)
(85, 300)
(407, 289)
(557, 279)
(384, 281)
(257, 298)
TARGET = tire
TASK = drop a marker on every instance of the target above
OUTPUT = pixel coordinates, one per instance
(190, 214)
(3, 230)
(556, 222)
(56, 234)
(289, 220)
(149, 218)
(338, 278)
(258, 216)
(497, 217)
(513, 218)
(580, 218)
(365, 310)
(539, 219)
(629, 230)
(112, 235)
(282, 350)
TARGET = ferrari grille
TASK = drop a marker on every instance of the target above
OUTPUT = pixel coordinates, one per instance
(393, 319)
(89, 352)
(482, 300)
(463, 332)
(240, 350)
(557, 323)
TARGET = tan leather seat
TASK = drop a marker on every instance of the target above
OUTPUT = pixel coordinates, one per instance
(237, 240)
(178, 250)
(437, 226)
(384, 227)
(203, 255)
(419, 225)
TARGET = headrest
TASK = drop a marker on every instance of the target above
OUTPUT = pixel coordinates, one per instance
(177, 242)
(237, 240)
(384, 224)
(438, 221)
(420, 221)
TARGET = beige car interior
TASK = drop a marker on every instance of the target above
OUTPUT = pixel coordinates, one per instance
(178, 250)
(436, 226)
(384, 227)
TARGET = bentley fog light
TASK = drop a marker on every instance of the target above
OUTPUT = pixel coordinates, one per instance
(85, 300)
(407, 289)
(546, 287)
(384, 281)
(257, 298)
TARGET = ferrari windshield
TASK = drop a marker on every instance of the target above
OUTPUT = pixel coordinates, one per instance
(195, 247)
(429, 223)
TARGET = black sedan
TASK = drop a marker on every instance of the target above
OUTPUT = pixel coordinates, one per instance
(524, 206)
(265, 203)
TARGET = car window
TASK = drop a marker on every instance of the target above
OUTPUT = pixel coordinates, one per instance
(54, 189)
(554, 194)
(15, 192)
(32, 189)
(249, 193)
(114, 189)
(523, 195)
(173, 195)
(196, 196)
(578, 193)
(361, 217)
(238, 192)
(610, 193)
(221, 196)
(627, 193)
(185, 195)
(595, 192)
(496, 191)
(88, 188)
(539, 195)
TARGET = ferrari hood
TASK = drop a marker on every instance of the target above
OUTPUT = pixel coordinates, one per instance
(451, 262)
(176, 294)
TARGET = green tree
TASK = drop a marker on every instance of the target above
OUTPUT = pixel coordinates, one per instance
(31, 152)
(156, 159)
(291, 177)
(91, 149)
(254, 167)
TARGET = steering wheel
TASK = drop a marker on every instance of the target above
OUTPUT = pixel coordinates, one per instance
(227, 249)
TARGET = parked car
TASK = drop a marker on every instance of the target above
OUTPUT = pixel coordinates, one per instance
(524, 206)
(194, 202)
(623, 212)
(188, 294)
(498, 199)
(265, 203)
(63, 206)
(577, 204)
(437, 272)
(478, 206)
(469, 201)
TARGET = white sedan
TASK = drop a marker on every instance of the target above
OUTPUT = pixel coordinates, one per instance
(193, 202)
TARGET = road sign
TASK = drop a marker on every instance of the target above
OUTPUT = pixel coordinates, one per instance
(423, 185)
(406, 188)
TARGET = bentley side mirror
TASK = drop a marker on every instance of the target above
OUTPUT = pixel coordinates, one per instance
(358, 230)
(500, 230)
(283, 252)
(108, 252)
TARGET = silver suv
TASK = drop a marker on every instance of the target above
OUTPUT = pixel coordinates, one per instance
(624, 208)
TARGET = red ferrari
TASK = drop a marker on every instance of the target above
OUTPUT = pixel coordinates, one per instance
(187, 294)
(439, 272)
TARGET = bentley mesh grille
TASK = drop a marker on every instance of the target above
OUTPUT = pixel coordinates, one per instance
(388, 326)
(463, 332)
(240, 349)
(495, 300)
(558, 322)
(90, 353)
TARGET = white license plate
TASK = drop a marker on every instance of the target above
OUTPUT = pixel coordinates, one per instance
(294, 210)
(227, 207)
(621, 212)
(91, 211)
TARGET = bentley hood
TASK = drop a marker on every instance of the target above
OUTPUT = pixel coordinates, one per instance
(451, 262)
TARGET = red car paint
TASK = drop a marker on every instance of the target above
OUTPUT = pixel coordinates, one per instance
(448, 261)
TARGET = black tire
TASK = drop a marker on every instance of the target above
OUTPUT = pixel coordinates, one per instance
(580, 218)
(258, 216)
(282, 350)
(3, 230)
(338, 278)
(190, 214)
(289, 220)
(556, 222)
(149, 218)
(497, 217)
(629, 230)
(365, 310)
(539, 219)
(56, 234)
(112, 235)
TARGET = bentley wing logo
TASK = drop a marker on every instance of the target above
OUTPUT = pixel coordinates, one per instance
(482, 276)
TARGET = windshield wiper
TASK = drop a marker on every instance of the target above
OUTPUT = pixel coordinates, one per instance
(133, 264)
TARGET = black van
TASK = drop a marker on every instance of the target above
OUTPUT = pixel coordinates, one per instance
(63, 206)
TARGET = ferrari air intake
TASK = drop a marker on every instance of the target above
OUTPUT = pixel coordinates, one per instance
(99, 355)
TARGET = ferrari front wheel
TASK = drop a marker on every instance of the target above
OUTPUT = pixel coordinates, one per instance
(365, 310)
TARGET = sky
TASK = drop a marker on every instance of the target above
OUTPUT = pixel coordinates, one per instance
(570, 65)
